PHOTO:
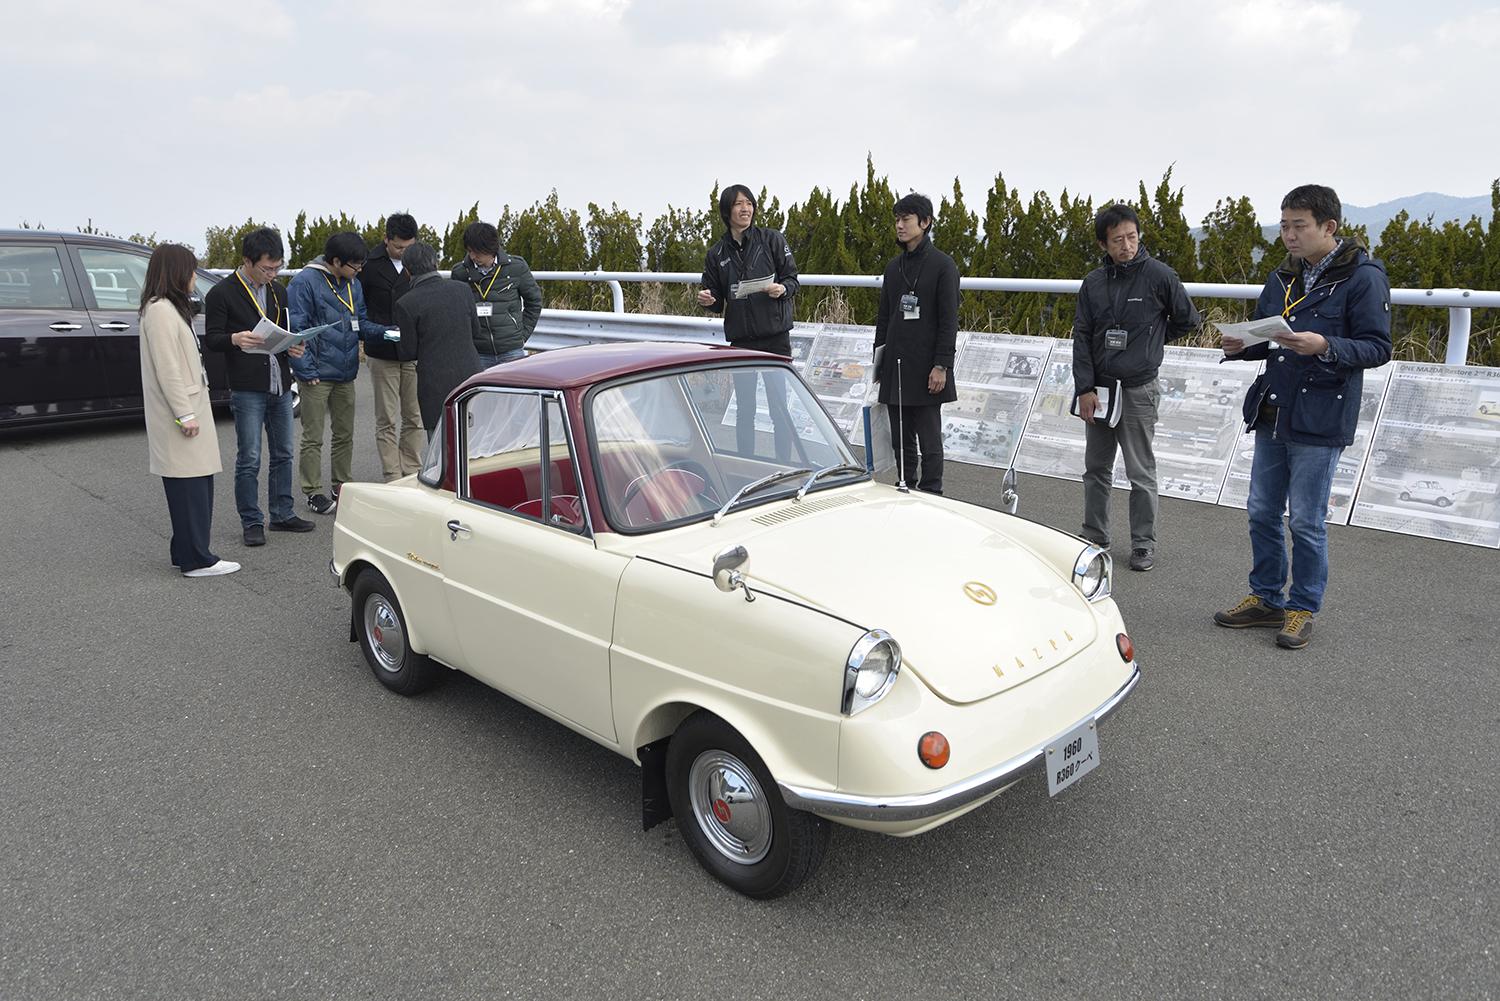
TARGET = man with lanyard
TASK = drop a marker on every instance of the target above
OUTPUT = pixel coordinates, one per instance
(1127, 310)
(1304, 406)
(325, 293)
(507, 299)
(393, 382)
(260, 384)
(916, 334)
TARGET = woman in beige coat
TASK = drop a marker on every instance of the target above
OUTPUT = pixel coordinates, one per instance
(179, 419)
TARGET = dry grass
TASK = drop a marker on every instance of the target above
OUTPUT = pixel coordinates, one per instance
(834, 308)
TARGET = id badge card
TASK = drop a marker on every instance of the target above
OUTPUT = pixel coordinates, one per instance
(1115, 338)
(354, 324)
(484, 308)
(911, 309)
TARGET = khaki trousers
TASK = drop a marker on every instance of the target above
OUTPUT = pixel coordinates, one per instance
(335, 402)
(395, 386)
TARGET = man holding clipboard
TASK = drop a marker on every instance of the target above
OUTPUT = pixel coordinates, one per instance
(1127, 310)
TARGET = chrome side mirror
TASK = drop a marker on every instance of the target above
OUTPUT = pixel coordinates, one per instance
(727, 576)
(1010, 497)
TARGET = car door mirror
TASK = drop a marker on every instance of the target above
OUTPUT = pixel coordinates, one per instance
(726, 570)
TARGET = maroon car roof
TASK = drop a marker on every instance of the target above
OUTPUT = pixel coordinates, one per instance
(587, 364)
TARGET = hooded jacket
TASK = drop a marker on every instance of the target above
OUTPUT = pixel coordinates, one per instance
(762, 252)
(313, 299)
(1145, 298)
(1316, 402)
(515, 302)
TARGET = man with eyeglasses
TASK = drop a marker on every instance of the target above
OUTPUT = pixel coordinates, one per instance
(260, 384)
(1304, 406)
(325, 292)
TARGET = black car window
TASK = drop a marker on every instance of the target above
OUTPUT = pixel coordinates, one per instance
(115, 276)
(31, 277)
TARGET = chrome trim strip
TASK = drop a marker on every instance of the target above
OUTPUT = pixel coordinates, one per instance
(940, 801)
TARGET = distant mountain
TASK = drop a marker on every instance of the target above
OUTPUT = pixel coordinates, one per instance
(1442, 208)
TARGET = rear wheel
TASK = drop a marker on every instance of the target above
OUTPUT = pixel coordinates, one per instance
(384, 638)
(732, 816)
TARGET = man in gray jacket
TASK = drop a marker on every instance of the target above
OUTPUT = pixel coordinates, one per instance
(438, 330)
(1127, 310)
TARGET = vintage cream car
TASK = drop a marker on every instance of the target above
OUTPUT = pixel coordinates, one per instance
(615, 537)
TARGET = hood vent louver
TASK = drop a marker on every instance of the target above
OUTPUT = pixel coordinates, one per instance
(805, 508)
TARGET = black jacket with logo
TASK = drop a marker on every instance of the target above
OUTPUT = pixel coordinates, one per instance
(383, 285)
(1143, 297)
(763, 252)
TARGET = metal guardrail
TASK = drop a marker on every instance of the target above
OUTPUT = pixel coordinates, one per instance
(1460, 303)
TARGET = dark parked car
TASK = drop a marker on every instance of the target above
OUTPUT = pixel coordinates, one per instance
(69, 340)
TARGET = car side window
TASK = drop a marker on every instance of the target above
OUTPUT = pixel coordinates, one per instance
(504, 465)
(31, 277)
(115, 277)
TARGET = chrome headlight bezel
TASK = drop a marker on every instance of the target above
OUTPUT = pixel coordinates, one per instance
(863, 659)
(1103, 581)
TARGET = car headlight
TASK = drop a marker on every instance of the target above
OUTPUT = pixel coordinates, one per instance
(870, 670)
(1092, 572)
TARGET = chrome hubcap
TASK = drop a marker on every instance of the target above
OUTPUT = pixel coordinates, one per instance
(384, 634)
(730, 807)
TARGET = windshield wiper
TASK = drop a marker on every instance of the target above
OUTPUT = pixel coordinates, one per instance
(755, 485)
(837, 467)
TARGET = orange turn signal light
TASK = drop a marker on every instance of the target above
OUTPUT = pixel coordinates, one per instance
(1127, 648)
(933, 749)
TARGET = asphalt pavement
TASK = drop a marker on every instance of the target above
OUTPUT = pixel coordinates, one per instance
(204, 793)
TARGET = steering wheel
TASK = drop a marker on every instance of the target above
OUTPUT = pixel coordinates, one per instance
(681, 479)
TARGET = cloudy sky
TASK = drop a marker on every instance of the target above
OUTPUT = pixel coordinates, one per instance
(198, 114)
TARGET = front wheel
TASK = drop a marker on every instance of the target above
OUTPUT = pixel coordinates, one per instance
(732, 816)
(384, 638)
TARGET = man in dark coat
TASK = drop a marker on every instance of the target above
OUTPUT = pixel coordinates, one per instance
(392, 382)
(438, 329)
(506, 298)
(917, 326)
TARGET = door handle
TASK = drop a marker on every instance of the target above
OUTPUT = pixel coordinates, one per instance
(64, 325)
(454, 527)
(114, 325)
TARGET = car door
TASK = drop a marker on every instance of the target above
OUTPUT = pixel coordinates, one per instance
(49, 362)
(112, 279)
(530, 596)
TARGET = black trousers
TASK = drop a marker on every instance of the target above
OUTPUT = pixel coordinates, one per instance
(190, 502)
(920, 427)
(783, 434)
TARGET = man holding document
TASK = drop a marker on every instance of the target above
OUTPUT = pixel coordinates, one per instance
(1335, 301)
(1127, 310)
(260, 382)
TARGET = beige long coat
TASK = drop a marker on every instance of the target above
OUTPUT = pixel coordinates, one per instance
(173, 383)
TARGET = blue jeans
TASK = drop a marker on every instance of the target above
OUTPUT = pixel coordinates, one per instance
(252, 412)
(1286, 476)
(490, 361)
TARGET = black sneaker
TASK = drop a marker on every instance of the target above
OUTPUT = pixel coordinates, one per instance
(255, 535)
(293, 524)
(1251, 612)
(1141, 559)
(321, 504)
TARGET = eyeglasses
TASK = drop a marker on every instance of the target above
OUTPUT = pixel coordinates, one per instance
(269, 269)
(356, 268)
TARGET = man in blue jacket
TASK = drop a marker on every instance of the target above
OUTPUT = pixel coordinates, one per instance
(1304, 406)
(325, 292)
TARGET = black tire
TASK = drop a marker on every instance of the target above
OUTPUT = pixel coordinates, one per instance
(1405, 496)
(1443, 502)
(774, 849)
(381, 626)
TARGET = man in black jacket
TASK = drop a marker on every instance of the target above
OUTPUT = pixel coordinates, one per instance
(438, 331)
(393, 381)
(507, 299)
(758, 320)
(1127, 310)
(260, 384)
(917, 328)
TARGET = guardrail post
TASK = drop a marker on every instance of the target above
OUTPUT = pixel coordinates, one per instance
(617, 293)
(1459, 320)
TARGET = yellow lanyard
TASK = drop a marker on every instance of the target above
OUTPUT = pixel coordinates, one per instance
(486, 293)
(1286, 300)
(349, 305)
(251, 293)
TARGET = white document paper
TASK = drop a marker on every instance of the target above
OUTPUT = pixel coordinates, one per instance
(750, 286)
(1255, 331)
(277, 338)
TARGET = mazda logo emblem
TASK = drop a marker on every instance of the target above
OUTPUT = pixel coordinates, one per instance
(979, 593)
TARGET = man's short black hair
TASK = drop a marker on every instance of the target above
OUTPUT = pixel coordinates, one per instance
(727, 199)
(914, 204)
(346, 248)
(1323, 202)
(400, 226)
(263, 242)
(419, 259)
(483, 237)
(1111, 216)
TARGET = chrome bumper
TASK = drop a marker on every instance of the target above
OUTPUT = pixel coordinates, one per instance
(939, 801)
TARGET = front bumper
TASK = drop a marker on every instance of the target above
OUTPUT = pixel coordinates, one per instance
(897, 809)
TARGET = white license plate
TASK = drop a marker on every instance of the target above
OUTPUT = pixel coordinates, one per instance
(1072, 756)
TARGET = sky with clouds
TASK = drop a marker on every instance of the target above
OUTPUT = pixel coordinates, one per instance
(175, 115)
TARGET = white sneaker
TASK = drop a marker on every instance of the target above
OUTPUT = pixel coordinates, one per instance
(219, 569)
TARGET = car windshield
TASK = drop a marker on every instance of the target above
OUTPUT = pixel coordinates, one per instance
(675, 448)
